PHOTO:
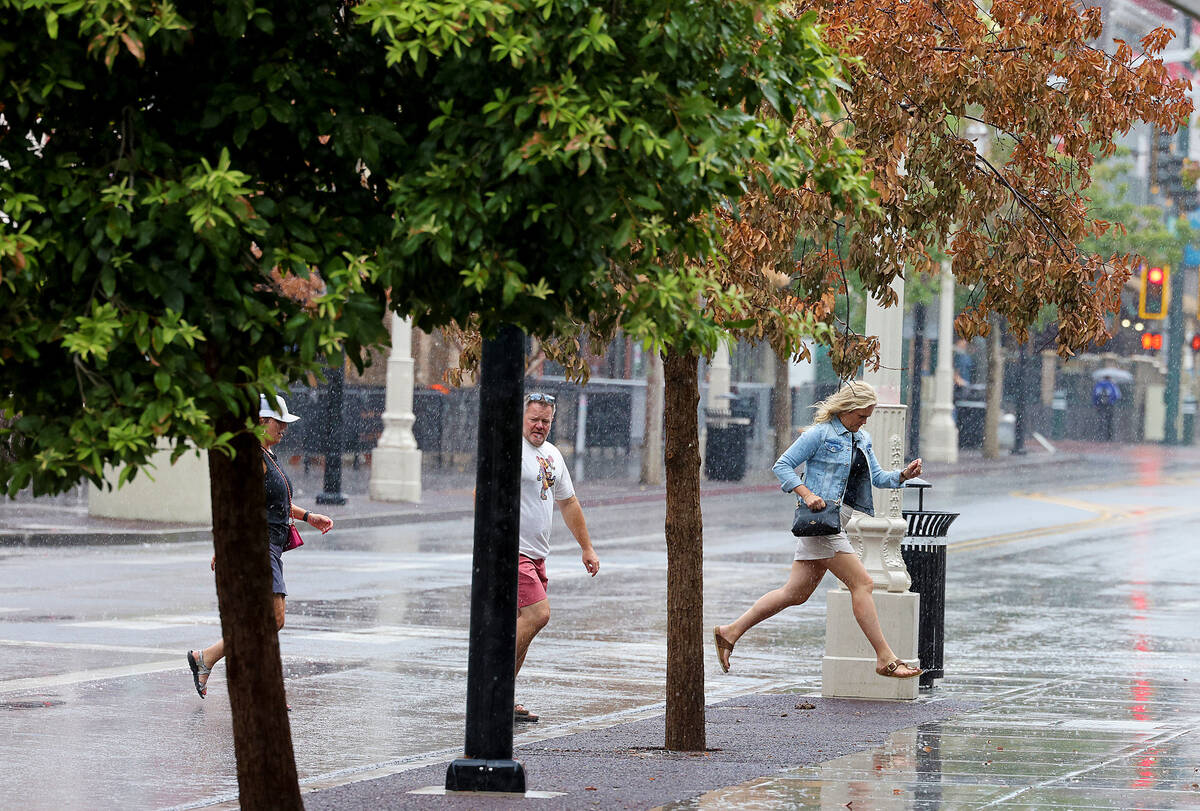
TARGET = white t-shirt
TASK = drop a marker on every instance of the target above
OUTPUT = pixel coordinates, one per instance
(544, 480)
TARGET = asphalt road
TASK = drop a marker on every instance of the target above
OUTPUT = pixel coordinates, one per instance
(1054, 571)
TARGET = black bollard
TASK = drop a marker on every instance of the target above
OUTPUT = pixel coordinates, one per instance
(334, 435)
(916, 380)
(1019, 427)
(488, 763)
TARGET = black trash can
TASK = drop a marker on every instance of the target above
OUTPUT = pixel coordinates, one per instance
(745, 406)
(725, 449)
(925, 559)
(970, 407)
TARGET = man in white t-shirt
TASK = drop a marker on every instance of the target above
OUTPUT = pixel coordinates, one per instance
(544, 481)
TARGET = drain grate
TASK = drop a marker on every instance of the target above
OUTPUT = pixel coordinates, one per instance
(30, 705)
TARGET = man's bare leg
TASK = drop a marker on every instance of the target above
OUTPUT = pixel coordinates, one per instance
(530, 619)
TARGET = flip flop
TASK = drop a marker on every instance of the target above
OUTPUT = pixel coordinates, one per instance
(889, 670)
(723, 646)
(198, 670)
(524, 716)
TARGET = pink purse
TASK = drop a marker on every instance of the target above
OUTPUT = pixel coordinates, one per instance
(294, 538)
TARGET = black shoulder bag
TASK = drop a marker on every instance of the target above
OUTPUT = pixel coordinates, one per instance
(825, 521)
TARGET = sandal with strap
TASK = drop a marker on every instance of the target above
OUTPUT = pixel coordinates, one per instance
(524, 716)
(196, 663)
(724, 648)
(889, 670)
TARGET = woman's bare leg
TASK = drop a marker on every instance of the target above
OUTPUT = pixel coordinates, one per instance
(801, 582)
(847, 568)
(216, 651)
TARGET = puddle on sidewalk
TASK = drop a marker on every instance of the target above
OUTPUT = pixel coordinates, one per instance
(981, 760)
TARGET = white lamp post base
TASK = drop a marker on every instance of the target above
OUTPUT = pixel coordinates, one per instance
(396, 461)
(395, 474)
(848, 668)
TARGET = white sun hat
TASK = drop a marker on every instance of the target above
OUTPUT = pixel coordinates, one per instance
(282, 414)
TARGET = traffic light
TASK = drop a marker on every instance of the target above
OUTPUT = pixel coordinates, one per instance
(1170, 173)
(1196, 342)
(1152, 341)
(1152, 302)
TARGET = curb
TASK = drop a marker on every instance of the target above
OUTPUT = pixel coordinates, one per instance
(101, 538)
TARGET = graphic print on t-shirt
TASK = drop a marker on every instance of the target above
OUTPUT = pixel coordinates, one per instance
(546, 476)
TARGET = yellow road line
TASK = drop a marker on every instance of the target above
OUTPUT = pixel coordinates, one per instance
(1072, 503)
(1177, 479)
(1105, 517)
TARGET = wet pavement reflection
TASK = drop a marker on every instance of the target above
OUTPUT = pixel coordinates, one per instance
(1071, 619)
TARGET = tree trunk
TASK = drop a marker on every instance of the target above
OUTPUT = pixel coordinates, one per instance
(652, 444)
(685, 557)
(262, 737)
(781, 401)
(995, 394)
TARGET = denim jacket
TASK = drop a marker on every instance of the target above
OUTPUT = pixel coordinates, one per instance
(824, 450)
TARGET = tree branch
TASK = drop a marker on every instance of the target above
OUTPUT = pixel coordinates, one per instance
(1028, 205)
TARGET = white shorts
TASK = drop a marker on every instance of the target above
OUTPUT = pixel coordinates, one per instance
(822, 547)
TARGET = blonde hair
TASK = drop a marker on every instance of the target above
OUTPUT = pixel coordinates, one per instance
(854, 395)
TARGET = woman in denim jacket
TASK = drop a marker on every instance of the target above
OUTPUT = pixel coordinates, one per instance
(828, 450)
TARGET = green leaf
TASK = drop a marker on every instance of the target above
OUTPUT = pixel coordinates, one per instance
(624, 234)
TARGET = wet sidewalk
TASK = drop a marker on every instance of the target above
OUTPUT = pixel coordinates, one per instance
(750, 739)
(447, 495)
(1027, 742)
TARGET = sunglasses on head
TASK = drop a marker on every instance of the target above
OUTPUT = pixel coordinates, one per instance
(538, 397)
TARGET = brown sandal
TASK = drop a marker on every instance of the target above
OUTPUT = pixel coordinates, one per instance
(724, 648)
(524, 716)
(889, 670)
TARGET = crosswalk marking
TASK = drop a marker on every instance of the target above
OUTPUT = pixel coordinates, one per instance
(40, 683)
(146, 623)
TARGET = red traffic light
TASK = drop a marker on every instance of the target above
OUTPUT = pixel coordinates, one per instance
(1196, 342)
(1155, 284)
(1153, 341)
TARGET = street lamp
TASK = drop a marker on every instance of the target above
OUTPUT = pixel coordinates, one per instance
(980, 135)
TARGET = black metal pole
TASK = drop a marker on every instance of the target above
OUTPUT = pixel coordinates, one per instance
(488, 764)
(916, 383)
(1019, 426)
(1174, 342)
(335, 434)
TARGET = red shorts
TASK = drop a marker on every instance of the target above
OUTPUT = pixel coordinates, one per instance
(531, 581)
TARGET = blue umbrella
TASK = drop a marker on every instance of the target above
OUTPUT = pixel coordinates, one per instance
(1115, 374)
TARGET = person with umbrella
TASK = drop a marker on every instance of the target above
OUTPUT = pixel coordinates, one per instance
(1105, 396)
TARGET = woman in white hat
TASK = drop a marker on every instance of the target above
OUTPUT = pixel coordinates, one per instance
(281, 512)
